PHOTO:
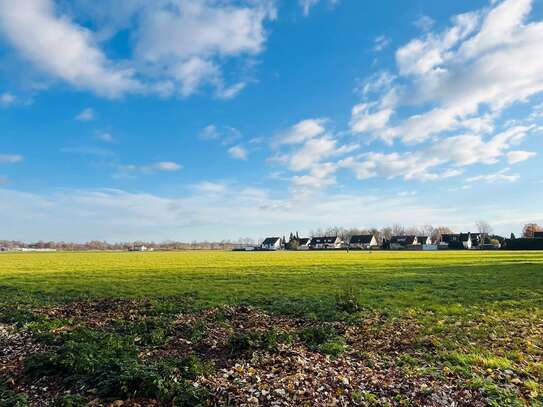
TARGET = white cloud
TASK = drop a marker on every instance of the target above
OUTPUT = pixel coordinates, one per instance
(178, 46)
(190, 37)
(424, 165)
(35, 29)
(495, 177)
(362, 120)
(302, 131)
(466, 75)
(166, 166)
(226, 135)
(518, 156)
(307, 5)
(105, 136)
(10, 158)
(86, 115)
(217, 210)
(380, 43)
(7, 99)
(424, 23)
(238, 152)
(162, 166)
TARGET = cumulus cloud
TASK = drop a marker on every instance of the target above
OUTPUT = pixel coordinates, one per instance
(427, 164)
(179, 45)
(35, 29)
(485, 62)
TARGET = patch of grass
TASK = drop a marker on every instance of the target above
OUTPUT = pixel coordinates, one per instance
(483, 361)
(148, 331)
(348, 301)
(498, 397)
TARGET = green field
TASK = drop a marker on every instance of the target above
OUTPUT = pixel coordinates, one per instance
(459, 326)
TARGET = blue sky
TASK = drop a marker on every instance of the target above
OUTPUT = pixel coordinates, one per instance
(208, 119)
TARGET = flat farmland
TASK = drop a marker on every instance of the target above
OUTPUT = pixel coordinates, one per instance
(290, 328)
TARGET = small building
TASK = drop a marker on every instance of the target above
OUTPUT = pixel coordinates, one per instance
(362, 242)
(325, 242)
(138, 248)
(424, 240)
(456, 241)
(271, 243)
(304, 243)
(403, 242)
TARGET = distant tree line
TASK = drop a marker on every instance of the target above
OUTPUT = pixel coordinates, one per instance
(102, 245)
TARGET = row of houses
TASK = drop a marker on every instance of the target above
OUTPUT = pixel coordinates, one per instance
(410, 242)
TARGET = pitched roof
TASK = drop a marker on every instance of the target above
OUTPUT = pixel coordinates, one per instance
(361, 239)
(403, 239)
(303, 241)
(270, 240)
(455, 237)
(323, 240)
(422, 239)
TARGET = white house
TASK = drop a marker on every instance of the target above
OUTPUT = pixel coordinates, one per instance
(424, 240)
(271, 243)
(456, 241)
(325, 242)
(303, 243)
(363, 242)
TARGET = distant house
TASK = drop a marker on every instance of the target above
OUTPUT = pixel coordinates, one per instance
(456, 241)
(402, 242)
(304, 243)
(538, 235)
(325, 242)
(138, 248)
(424, 240)
(271, 243)
(362, 242)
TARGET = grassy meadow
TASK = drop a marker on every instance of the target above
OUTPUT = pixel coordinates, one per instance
(462, 327)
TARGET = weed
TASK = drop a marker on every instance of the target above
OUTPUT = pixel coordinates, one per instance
(348, 301)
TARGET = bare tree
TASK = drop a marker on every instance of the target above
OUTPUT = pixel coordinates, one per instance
(440, 231)
(529, 230)
(483, 227)
(398, 230)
